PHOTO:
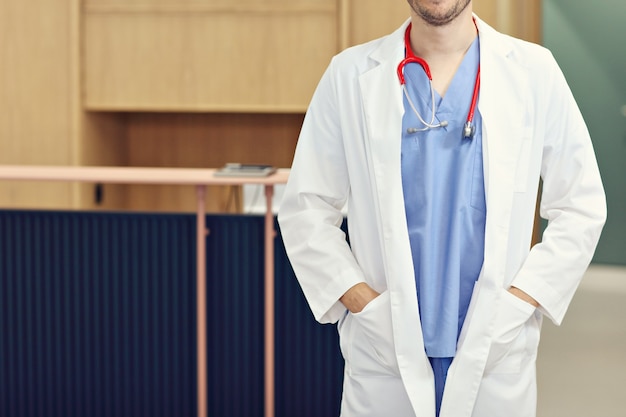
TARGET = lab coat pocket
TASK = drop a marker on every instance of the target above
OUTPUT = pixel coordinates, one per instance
(508, 346)
(372, 350)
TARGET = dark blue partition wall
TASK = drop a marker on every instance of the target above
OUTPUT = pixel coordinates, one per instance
(235, 315)
(97, 318)
(309, 366)
(97, 314)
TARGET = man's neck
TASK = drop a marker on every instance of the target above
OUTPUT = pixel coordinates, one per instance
(443, 47)
(437, 42)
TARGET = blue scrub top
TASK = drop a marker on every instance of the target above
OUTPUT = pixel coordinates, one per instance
(444, 194)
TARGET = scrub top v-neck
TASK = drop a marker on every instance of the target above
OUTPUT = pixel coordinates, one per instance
(444, 195)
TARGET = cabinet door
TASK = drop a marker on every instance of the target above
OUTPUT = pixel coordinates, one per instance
(211, 55)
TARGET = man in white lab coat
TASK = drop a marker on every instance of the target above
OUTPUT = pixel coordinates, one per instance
(409, 178)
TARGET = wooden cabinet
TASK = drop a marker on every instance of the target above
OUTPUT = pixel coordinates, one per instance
(219, 55)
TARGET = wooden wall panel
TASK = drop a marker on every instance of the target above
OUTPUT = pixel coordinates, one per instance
(204, 141)
(253, 56)
(35, 96)
(521, 19)
(370, 19)
(102, 143)
(487, 10)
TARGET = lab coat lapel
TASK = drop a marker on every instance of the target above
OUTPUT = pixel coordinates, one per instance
(502, 106)
(381, 96)
(383, 109)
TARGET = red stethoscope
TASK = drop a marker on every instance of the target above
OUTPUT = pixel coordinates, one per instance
(410, 58)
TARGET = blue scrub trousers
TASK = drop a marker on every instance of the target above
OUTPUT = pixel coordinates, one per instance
(440, 369)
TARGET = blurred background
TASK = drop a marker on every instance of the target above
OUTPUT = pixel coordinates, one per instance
(199, 83)
(582, 364)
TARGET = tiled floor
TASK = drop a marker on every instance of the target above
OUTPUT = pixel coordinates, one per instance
(582, 363)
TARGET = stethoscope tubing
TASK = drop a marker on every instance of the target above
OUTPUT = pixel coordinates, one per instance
(411, 58)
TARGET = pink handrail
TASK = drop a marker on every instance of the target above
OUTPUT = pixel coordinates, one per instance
(201, 178)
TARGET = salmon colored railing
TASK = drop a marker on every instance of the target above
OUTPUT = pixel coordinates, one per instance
(200, 178)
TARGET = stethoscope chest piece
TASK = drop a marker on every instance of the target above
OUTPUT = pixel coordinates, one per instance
(469, 130)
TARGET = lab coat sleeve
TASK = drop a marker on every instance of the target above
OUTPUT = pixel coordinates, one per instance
(572, 201)
(310, 213)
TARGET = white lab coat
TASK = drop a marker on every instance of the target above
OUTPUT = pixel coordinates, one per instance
(349, 151)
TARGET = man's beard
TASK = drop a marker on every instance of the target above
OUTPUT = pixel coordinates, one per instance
(439, 19)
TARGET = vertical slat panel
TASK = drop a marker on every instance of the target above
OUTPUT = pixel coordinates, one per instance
(235, 315)
(97, 318)
(309, 365)
(95, 314)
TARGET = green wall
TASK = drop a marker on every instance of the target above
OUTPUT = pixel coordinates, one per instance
(588, 40)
